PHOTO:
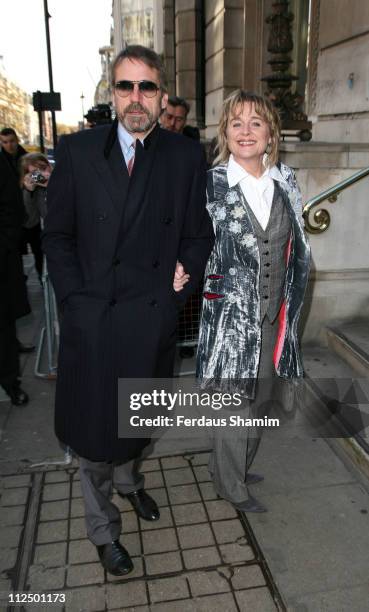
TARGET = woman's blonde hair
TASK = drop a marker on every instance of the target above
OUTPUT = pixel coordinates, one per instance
(232, 106)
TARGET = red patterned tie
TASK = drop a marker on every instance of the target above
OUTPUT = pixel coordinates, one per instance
(132, 160)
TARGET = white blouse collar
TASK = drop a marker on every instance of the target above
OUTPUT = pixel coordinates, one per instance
(235, 173)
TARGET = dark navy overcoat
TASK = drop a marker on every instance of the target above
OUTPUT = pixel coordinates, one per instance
(112, 243)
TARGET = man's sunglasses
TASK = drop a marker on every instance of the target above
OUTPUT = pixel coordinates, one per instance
(148, 88)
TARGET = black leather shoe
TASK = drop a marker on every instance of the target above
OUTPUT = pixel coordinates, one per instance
(144, 505)
(18, 397)
(115, 558)
(253, 478)
(25, 348)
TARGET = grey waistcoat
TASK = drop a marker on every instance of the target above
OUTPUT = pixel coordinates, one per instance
(272, 243)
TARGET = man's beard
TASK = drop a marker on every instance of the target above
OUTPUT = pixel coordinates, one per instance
(141, 123)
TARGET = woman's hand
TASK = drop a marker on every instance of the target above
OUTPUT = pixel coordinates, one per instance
(180, 277)
(28, 183)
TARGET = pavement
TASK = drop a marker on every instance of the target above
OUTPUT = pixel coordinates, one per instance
(309, 553)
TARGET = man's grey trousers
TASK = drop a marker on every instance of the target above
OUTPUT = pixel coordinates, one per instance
(103, 519)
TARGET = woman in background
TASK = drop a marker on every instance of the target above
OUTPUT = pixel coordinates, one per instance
(35, 171)
(254, 282)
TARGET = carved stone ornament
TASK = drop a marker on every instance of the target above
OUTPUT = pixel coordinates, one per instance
(279, 82)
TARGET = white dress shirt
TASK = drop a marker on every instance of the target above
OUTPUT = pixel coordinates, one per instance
(257, 191)
(127, 143)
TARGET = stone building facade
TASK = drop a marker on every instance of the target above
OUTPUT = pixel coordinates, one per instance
(339, 80)
(16, 109)
(212, 47)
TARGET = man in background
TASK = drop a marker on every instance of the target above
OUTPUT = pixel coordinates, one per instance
(174, 116)
(10, 148)
(14, 302)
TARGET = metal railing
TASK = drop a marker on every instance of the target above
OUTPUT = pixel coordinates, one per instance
(49, 336)
(321, 216)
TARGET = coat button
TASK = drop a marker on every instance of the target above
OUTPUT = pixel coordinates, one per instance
(112, 302)
(267, 265)
(266, 253)
(167, 220)
(265, 297)
(266, 275)
(266, 241)
(116, 262)
(102, 217)
(153, 303)
(156, 264)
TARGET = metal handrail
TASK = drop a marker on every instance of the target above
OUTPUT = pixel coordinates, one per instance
(322, 217)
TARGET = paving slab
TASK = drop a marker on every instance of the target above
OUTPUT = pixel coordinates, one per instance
(354, 599)
(315, 536)
(302, 464)
(178, 565)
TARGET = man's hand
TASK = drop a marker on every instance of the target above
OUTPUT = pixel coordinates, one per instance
(180, 277)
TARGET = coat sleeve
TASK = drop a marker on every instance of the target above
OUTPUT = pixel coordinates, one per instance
(197, 233)
(59, 236)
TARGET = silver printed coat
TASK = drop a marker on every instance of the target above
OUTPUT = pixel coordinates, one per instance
(230, 330)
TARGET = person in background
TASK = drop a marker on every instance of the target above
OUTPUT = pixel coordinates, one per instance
(255, 281)
(10, 148)
(174, 116)
(14, 300)
(35, 171)
(13, 152)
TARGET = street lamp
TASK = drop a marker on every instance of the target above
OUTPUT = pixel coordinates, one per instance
(49, 63)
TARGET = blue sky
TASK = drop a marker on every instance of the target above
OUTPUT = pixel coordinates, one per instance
(77, 29)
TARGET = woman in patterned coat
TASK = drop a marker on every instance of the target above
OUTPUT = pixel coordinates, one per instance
(254, 282)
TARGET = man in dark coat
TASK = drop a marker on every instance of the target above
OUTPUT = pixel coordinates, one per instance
(125, 203)
(14, 301)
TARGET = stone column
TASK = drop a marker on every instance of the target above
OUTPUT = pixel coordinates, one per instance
(189, 57)
(169, 45)
(253, 48)
(224, 24)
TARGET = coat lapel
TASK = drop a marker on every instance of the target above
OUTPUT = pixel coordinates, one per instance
(113, 173)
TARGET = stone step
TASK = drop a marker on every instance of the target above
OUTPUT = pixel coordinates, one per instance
(338, 394)
(351, 342)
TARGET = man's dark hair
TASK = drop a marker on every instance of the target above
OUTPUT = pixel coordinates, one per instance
(146, 56)
(8, 132)
(177, 101)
